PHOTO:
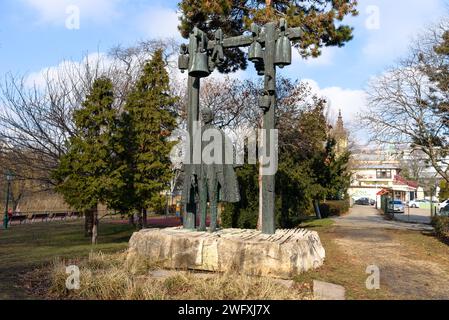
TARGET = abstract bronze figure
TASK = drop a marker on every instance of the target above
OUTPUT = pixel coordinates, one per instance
(217, 181)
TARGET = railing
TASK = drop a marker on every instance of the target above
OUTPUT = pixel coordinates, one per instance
(45, 216)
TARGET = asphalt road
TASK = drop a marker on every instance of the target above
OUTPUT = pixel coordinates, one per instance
(414, 215)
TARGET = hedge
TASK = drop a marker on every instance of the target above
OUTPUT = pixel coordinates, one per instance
(441, 225)
(334, 208)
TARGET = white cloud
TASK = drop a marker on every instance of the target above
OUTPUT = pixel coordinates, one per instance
(349, 101)
(400, 21)
(326, 58)
(159, 22)
(55, 11)
(66, 68)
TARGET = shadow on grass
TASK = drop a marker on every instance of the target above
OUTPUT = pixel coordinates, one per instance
(317, 223)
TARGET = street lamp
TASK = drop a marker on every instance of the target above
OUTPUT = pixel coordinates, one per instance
(9, 177)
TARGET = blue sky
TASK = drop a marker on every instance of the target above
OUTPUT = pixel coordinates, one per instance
(34, 36)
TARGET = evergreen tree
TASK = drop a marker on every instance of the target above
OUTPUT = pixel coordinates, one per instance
(309, 172)
(332, 172)
(444, 190)
(147, 123)
(320, 19)
(84, 172)
(438, 73)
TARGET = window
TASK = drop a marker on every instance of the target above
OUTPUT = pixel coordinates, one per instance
(383, 174)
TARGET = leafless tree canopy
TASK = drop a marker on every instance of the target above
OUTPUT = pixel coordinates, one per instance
(235, 102)
(36, 118)
(401, 109)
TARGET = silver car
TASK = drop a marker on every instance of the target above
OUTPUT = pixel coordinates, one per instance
(397, 206)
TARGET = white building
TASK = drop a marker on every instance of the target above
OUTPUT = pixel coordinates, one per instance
(374, 179)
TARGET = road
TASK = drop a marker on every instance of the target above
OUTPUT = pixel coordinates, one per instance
(413, 264)
(414, 215)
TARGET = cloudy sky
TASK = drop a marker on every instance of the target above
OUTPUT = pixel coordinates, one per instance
(38, 34)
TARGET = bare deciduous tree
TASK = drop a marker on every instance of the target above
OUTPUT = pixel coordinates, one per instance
(401, 108)
(36, 116)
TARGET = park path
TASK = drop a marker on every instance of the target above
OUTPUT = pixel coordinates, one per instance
(413, 264)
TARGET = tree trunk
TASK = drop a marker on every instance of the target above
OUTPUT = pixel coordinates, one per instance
(95, 226)
(144, 218)
(131, 219)
(139, 220)
(91, 224)
(269, 5)
(88, 222)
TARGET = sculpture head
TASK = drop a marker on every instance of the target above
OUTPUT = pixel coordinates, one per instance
(207, 115)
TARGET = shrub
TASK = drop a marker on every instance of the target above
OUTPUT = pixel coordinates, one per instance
(334, 208)
(159, 204)
(441, 225)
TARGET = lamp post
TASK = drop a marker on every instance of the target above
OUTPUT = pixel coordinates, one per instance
(9, 178)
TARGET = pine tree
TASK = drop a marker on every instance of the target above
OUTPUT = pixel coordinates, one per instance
(148, 121)
(439, 76)
(320, 19)
(84, 172)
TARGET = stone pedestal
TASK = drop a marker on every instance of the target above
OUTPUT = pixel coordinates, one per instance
(282, 255)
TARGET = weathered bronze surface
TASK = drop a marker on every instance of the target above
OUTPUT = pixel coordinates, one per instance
(270, 46)
(217, 182)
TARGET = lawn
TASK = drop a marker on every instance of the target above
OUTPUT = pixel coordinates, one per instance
(24, 248)
(28, 248)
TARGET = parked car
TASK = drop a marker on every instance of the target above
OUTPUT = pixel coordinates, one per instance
(396, 206)
(372, 202)
(363, 202)
(444, 211)
(416, 203)
(443, 204)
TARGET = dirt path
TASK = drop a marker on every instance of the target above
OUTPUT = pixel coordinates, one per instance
(412, 263)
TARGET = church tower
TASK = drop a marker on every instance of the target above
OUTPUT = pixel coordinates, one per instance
(340, 135)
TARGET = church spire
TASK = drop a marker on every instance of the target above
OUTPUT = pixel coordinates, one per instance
(341, 135)
(340, 125)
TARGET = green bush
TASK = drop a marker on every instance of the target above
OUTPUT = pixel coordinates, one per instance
(235, 217)
(441, 225)
(158, 204)
(334, 208)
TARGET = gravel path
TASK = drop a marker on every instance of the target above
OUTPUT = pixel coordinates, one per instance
(413, 265)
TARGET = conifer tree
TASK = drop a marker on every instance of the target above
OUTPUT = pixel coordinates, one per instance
(321, 21)
(84, 173)
(148, 122)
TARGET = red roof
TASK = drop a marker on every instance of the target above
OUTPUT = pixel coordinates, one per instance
(383, 192)
(402, 180)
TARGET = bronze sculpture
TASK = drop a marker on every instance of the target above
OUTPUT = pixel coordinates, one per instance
(212, 181)
(270, 47)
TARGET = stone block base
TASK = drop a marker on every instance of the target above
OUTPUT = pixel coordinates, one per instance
(282, 255)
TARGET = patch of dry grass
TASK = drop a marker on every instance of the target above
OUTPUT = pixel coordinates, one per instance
(113, 277)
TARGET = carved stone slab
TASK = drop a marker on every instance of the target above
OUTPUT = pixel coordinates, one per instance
(281, 255)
